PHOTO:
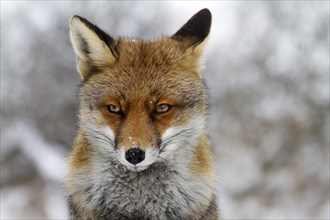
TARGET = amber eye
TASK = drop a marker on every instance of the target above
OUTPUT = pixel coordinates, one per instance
(114, 109)
(163, 108)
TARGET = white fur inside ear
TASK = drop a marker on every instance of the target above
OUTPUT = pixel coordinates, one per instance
(197, 52)
(88, 46)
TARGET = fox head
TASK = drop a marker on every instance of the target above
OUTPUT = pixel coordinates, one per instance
(141, 101)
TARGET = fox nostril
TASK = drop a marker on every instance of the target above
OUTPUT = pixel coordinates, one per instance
(134, 155)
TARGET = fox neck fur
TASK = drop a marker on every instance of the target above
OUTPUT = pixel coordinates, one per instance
(166, 190)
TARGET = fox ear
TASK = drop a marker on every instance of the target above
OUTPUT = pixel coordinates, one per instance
(94, 48)
(194, 32)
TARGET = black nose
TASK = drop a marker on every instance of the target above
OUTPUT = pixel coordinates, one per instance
(134, 155)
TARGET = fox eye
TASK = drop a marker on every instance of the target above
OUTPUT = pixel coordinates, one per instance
(114, 109)
(162, 108)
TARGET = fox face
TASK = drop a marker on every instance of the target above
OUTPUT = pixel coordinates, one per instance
(141, 101)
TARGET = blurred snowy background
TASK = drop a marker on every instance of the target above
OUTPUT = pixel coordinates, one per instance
(268, 75)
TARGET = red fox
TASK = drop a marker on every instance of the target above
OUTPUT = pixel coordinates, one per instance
(142, 148)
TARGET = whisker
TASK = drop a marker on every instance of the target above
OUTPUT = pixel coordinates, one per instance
(102, 139)
(177, 134)
(93, 133)
(172, 139)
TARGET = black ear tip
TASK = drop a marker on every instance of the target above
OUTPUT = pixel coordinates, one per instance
(198, 27)
(206, 13)
(205, 16)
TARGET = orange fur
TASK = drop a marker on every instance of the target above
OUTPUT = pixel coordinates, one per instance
(202, 161)
(80, 156)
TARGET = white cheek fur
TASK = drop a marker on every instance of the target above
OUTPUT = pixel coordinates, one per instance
(102, 138)
(169, 132)
(174, 137)
(109, 132)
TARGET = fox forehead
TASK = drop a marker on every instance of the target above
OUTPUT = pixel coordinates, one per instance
(161, 53)
(147, 69)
